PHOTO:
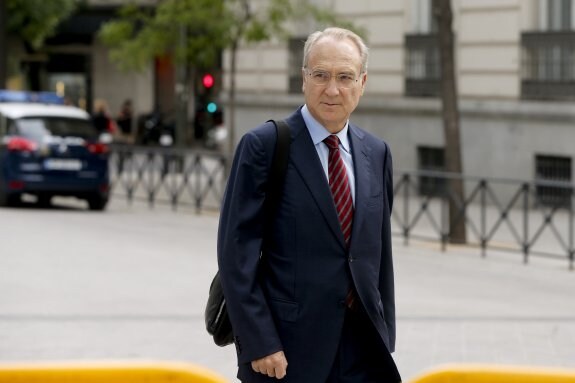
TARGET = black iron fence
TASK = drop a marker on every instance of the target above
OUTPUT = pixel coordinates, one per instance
(499, 214)
(178, 177)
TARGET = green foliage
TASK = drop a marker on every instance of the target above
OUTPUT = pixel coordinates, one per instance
(140, 34)
(262, 24)
(36, 20)
(326, 18)
(287, 10)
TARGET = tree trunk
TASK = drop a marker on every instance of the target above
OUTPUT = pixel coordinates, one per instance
(443, 14)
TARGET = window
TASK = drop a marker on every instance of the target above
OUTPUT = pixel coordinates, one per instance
(553, 168)
(296, 45)
(556, 15)
(431, 159)
(422, 20)
(422, 65)
(41, 129)
(548, 55)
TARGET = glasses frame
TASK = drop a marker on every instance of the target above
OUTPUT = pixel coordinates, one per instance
(309, 73)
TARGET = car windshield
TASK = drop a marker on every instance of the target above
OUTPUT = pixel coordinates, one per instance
(42, 129)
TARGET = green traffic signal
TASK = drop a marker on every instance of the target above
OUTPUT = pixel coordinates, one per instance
(212, 107)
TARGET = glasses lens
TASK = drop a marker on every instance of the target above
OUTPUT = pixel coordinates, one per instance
(343, 80)
(320, 77)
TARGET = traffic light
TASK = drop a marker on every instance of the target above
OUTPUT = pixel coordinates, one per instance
(212, 107)
(209, 104)
(206, 103)
(208, 81)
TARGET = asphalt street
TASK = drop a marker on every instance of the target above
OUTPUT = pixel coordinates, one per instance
(131, 283)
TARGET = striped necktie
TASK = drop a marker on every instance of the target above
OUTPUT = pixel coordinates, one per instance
(339, 185)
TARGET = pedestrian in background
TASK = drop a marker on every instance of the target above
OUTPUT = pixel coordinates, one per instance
(310, 292)
(125, 118)
(101, 118)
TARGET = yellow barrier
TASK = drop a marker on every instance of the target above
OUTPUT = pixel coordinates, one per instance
(477, 373)
(107, 372)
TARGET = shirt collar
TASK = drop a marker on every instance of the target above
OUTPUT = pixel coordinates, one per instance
(318, 133)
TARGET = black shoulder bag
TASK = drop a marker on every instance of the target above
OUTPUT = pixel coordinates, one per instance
(216, 315)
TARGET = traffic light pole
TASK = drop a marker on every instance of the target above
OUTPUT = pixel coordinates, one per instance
(182, 95)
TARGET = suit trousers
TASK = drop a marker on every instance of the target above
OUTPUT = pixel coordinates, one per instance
(362, 356)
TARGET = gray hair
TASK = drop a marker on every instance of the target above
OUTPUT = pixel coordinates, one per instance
(338, 34)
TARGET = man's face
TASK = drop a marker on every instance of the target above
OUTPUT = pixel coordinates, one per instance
(331, 104)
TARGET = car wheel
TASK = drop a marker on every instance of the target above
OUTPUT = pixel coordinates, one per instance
(7, 199)
(3, 197)
(44, 200)
(97, 202)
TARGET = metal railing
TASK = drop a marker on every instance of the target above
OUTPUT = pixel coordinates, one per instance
(500, 214)
(178, 177)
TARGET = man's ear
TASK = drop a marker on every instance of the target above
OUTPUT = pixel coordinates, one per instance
(303, 80)
(363, 82)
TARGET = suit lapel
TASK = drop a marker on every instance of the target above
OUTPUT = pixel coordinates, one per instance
(304, 157)
(363, 172)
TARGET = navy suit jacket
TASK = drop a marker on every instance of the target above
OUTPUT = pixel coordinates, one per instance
(292, 297)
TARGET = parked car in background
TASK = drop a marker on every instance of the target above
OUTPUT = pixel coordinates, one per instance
(48, 149)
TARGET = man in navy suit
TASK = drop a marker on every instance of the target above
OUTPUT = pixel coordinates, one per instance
(314, 302)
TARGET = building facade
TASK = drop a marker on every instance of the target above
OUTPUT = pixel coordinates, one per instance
(515, 72)
(74, 63)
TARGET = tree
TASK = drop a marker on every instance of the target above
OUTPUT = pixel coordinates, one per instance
(36, 20)
(443, 14)
(140, 34)
(192, 31)
(32, 22)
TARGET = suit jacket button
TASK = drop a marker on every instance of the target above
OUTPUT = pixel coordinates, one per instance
(350, 259)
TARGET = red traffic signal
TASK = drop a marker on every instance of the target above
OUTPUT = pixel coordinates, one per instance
(208, 81)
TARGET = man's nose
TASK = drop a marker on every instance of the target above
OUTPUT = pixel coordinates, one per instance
(332, 87)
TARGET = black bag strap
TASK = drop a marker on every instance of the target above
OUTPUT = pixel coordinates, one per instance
(278, 168)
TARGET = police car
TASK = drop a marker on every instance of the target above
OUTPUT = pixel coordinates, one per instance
(49, 149)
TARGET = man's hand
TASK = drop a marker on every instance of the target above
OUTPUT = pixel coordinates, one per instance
(273, 365)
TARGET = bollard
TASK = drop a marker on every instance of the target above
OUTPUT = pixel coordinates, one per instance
(471, 373)
(106, 372)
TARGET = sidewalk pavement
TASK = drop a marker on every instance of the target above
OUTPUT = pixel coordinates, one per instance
(456, 307)
(132, 283)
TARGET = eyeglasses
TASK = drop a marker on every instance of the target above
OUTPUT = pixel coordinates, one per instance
(322, 78)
